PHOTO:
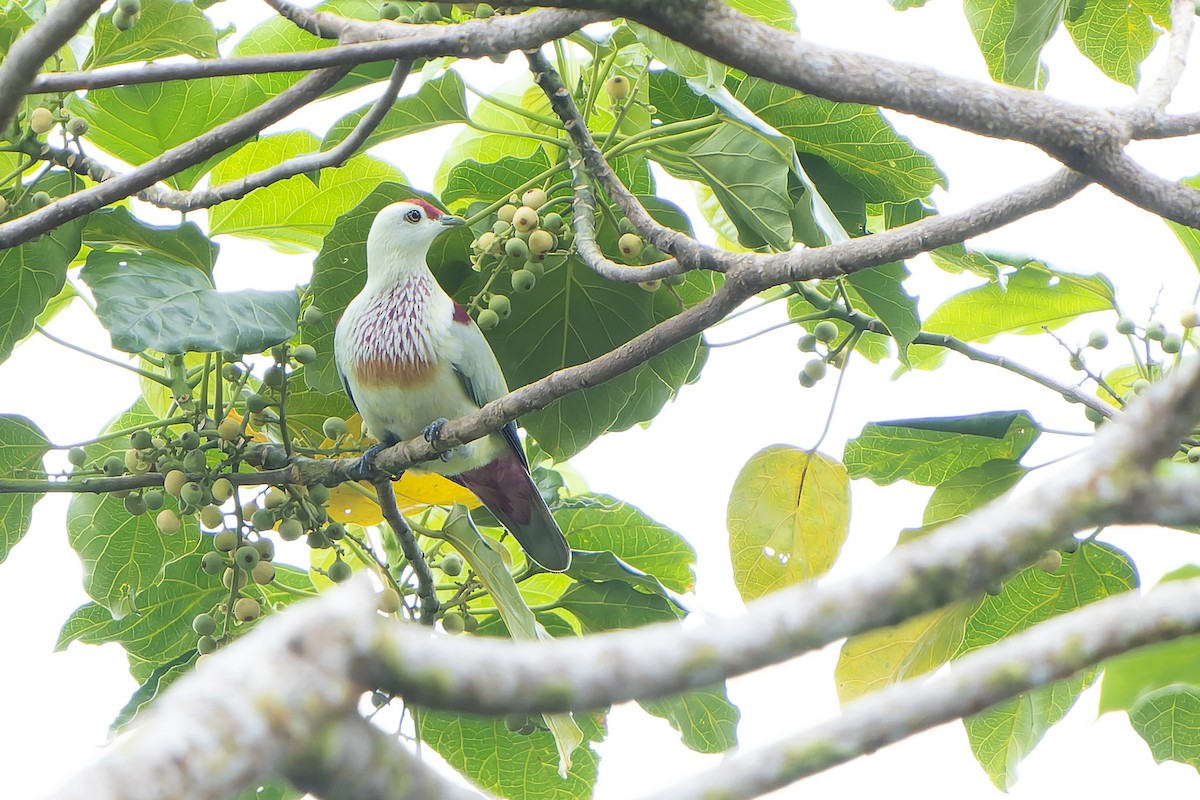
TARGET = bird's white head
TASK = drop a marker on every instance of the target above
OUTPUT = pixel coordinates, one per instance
(400, 238)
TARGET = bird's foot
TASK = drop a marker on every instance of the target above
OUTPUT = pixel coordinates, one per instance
(366, 462)
(433, 432)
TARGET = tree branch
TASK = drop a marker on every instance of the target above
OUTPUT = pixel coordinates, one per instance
(185, 155)
(1113, 481)
(349, 759)
(188, 201)
(1036, 657)
(470, 39)
(408, 545)
(27, 54)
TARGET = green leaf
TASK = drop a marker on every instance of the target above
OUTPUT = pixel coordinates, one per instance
(438, 102)
(1026, 301)
(280, 35)
(160, 630)
(957, 258)
(22, 447)
(963, 492)
(472, 180)
(487, 147)
(116, 228)
(32, 274)
(1116, 36)
(749, 176)
(593, 566)
(164, 28)
(307, 411)
(1169, 721)
(788, 516)
(1011, 35)
(612, 605)
(854, 140)
(508, 764)
(675, 100)
(1001, 736)
(572, 316)
(779, 13)
(681, 60)
(16, 17)
(149, 303)
(138, 123)
(883, 290)
(870, 661)
(602, 523)
(1130, 677)
(122, 555)
(151, 689)
(927, 451)
(919, 645)
(293, 215)
(1021, 302)
(705, 718)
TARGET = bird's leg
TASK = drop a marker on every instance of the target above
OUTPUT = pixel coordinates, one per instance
(366, 462)
(433, 432)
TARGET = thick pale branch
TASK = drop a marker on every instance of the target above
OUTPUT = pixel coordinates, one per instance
(1045, 653)
(350, 760)
(1113, 481)
(27, 54)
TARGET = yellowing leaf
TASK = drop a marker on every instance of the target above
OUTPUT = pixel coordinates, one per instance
(788, 516)
(415, 491)
(347, 504)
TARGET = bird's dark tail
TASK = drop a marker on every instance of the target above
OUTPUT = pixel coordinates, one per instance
(507, 489)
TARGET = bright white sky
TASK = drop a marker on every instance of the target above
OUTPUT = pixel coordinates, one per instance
(58, 706)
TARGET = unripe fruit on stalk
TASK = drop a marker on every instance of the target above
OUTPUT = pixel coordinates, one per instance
(230, 430)
(534, 198)
(204, 625)
(212, 563)
(41, 120)
(211, 517)
(1189, 317)
(486, 242)
(523, 280)
(1156, 331)
(290, 530)
(77, 126)
(222, 490)
(339, 571)
(130, 7)
(487, 319)
(168, 522)
(526, 219)
(206, 645)
(453, 623)
(506, 212)
(191, 493)
(630, 245)
(231, 576)
(389, 11)
(114, 466)
(515, 248)
(189, 440)
(389, 601)
(123, 21)
(825, 331)
(313, 316)
(141, 440)
(501, 305)
(263, 519)
(815, 369)
(275, 497)
(334, 427)
(617, 87)
(263, 573)
(305, 354)
(225, 541)
(1172, 343)
(246, 556)
(541, 241)
(135, 504)
(1098, 340)
(1125, 326)
(552, 222)
(77, 456)
(256, 403)
(40, 199)
(265, 548)
(452, 565)
(246, 609)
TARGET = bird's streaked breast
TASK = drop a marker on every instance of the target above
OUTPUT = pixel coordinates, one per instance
(391, 341)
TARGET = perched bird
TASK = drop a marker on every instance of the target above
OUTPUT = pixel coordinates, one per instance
(410, 357)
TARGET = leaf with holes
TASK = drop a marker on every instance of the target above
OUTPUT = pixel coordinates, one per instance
(788, 516)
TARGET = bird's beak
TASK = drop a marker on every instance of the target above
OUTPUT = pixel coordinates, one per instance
(451, 221)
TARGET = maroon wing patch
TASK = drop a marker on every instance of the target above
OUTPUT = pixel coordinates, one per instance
(460, 314)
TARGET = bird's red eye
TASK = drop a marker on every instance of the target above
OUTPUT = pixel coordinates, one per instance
(413, 215)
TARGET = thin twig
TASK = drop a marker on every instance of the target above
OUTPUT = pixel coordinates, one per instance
(412, 551)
